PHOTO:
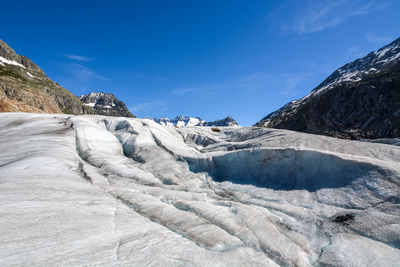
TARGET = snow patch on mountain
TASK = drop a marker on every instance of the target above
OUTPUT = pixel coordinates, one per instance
(30, 75)
(90, 104)
(10, 62)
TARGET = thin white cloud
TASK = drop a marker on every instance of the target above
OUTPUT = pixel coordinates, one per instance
(78, 58)
(196, 89)
(364, 9)
(356, 51)
(282, 84)
(257, 82)
(184, 91)
(377, 38)
(320, 15)
(84, 73)
(148, 107)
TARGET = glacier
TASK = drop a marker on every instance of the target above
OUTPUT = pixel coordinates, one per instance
(97, 190)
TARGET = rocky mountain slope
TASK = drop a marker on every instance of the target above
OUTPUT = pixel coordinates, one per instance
(359, 100)
(106, 191)
(25, 87)
(106, 104)
(180, 121)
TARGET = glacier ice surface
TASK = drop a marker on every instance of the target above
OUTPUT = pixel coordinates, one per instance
(95, 190)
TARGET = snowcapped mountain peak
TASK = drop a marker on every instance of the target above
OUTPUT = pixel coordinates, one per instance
(180, 121)
(106, 104)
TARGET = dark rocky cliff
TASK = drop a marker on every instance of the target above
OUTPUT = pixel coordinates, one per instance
(106, 104)
(228, 121)
(359, 100)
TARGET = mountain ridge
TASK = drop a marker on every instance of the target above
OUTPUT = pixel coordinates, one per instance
(181, 120)
(24, 87)
(358, 100)
(106, 104)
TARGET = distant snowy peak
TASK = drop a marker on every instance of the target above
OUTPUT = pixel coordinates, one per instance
(228, 121)
(180, 121)
(106, 104)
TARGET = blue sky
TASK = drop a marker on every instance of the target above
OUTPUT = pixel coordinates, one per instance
(198, 58)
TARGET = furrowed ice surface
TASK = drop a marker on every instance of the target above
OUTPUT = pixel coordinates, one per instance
(94, 190)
